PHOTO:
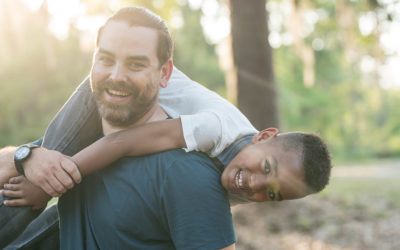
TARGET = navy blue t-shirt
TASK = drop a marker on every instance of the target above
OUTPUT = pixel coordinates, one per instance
(169, 200)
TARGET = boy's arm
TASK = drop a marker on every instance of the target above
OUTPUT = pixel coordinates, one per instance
(208, 123)
(140, 140)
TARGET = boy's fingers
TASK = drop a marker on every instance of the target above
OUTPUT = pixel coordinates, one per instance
(70, 167)
(35, 207)
(12, 187)
(16, 179)
(11, 193)
(14, 203)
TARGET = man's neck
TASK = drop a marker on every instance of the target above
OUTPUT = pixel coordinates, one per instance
(155, 114)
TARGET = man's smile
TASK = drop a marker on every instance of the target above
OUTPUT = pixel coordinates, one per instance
(112, 95)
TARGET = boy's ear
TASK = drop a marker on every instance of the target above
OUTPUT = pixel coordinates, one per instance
(265, 134)
(166, 72)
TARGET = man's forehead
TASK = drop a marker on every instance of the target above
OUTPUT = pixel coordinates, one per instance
(114, 30)
(119, 37)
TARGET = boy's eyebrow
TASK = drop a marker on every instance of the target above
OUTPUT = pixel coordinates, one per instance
(275, 165)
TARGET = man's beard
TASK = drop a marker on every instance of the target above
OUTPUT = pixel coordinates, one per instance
(124, 114)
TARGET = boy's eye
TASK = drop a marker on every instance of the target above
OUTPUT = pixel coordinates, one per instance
(267, 167)
(271, 194)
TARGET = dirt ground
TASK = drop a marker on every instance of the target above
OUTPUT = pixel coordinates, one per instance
(321, 222)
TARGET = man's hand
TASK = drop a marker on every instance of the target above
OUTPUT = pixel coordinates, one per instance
(52, 171)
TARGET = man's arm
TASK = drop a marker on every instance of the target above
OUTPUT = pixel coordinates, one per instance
(52, 171)
(7, 167)
(75, 126)
(40, 161)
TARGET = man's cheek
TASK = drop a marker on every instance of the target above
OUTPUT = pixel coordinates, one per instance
(142, 79)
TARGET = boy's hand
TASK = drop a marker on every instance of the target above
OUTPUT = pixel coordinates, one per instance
(24, 193)
(52, 171)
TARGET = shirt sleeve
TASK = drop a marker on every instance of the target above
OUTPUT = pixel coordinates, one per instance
(196, 207)
(38, 142)
(210, 123)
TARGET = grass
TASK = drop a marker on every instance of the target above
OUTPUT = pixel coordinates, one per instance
(52, 201)
(352, 189)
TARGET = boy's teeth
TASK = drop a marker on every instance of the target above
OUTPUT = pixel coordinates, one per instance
(239, 179)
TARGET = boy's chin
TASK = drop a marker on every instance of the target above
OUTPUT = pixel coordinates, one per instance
(235, 199)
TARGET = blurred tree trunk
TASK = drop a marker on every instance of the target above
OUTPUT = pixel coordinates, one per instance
(252, 59)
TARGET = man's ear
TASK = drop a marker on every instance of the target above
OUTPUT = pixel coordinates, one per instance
(166, 72)
(265, 134)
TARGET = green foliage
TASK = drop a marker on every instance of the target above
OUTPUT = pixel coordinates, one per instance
(193, 55)
(350, 190)
(38, 74)
(353, 113)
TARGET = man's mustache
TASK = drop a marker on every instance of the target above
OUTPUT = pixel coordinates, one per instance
(120, 86)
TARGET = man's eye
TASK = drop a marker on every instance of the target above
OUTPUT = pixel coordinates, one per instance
(267, 167)
(271, 194)
(105, 60)
(136, 66)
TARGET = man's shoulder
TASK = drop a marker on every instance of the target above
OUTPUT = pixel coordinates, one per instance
(176, 158)
(197, 161)
(193, 171)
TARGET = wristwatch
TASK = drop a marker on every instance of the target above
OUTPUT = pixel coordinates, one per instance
(21, 154)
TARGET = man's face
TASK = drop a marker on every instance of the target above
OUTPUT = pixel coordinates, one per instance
(126, 74)
(263, 171)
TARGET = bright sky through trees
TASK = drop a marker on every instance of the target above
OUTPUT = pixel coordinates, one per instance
(216, 25)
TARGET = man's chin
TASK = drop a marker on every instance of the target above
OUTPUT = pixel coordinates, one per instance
(116, 117)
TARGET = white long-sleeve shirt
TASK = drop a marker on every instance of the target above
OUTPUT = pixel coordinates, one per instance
(210, 123)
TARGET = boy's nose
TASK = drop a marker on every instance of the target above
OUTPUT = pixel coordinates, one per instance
(258, 182)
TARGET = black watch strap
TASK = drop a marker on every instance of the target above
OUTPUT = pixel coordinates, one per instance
(18, 159)
(19, 167)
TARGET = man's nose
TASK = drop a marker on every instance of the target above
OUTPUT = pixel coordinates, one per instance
(118, 73)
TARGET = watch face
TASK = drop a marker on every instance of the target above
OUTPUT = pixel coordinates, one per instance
(21, 153)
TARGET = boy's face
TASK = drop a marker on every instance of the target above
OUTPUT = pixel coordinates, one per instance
(263, 171)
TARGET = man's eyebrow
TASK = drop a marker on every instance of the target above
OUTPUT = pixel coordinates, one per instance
(103, 51)
(138, 58)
